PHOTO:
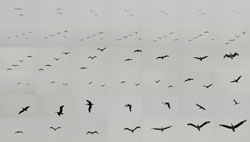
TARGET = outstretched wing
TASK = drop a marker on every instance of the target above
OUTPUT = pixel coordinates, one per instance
(191, 124)
(160, 57)
(204, 57)
(21, 111)
(197, 58)
(226, 55)
(128, 129)
(237, 125)
(203, 124)
(61, 108)
(95, 132)
(156, 128)
(226, 126)
(137, 128)
(167, 127)
(235, 54)
(238, 78)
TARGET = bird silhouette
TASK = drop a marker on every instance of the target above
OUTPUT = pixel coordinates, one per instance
(90, 82)
(89, 104)
(41, 69)
(137, 84)
(60, 112)
(128, 59)
(235, 102)
(122, 82)
(66, 53)
(92, 132)
(170, 86)
(29, 56)
(137, 51)
(236, 80)
(201, 58)
(53, 128)
(233, 127)
(23, 110)
(21, 61)
(82, 68)
(198, 126)
(167, 103)
(237, 36)
(231, 40)
(102, 49)
(92, 57)
(132, 130)
(243, 33)
(157, 81)
(230, 55)
(15, 65)
(188, 79)
(18, 132)
(57, 59)
(162, 57)
(162, 128)
(207, 86)
(129, 107)
(200, 107)
(48, 65)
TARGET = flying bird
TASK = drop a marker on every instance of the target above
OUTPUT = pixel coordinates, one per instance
(15, 65)
(82, 68)
(233, 127)
(92, 57)
(167, 103)
(243, 33)
(200, 107)
(230, 55)
(102, 49)
(92, 132)
(137, 51)
(170, 86)
(157, 81)
(57, 59)
(128, 59)
(19, 132)
(48, 65)
(236, 80)
(201, 58)
(53, 128)
(129, 107)
(235, 102)
(60, 112)
(89, 104)
(198, 126)
(207, 86)
(66, 53)
(29, 56)
(132, 130)
(162, 57)
(137, 84)
(162, 128)
(23, 110)
(122, 82)
(188, 79)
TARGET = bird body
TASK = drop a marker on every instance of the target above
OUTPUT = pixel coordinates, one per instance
(89, 104)
(60, 112)
(236, 80)
(24, 109)
(129, 107)
(230, 55)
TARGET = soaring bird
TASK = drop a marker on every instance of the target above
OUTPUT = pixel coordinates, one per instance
(128, 59)
(162, 128)
(82, 68)
(167, 103)
(24, 109)
(170, 86)
(48, 65)
(162, 57)
(207, 86)
(157, 81)
(188, 79)
(92, 57)
(129, 107)
(102, 49)
(53, 128)
(15, 65)
(132, 130)
(230, 55)
(122, 82)
(92, 132)
(60, 112)
(18, 132)
(200, 107)
(66, 53)
(235, 102)
(236, 80)
(137, 51)
(198, 126)
(233, 127)
(29, 56)
(137, 84)
(89, 104)
(201, 58)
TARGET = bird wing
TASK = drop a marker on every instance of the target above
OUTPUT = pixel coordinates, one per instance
(190, 124)
(58, 128)
(137, 128)
(21, 111)
(61, 108)
(235, 54)
(168, 104)
(95, 132)
(52, 128)
(237, 125)
(204, 57)
(156, 128)
(203, 124)
(226, 55)
(197, 58)
(199, 105)
(167, 127)
(88, 132)
(226, 126)
(238, 78)
(160, 57)
(128, 129)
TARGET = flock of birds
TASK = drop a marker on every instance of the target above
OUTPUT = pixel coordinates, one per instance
(100, 35)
